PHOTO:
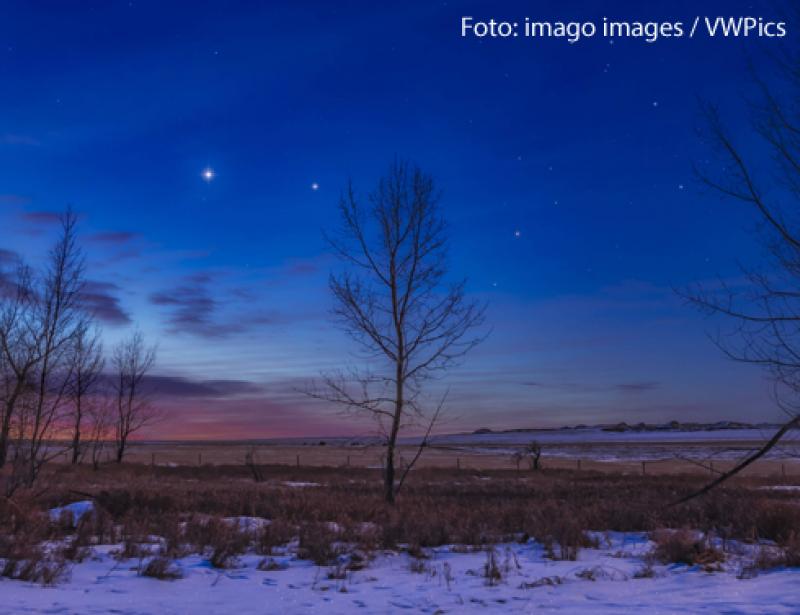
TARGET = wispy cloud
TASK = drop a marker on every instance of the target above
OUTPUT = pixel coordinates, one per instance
(176, 386)
(191, 308)
(114, 237)
(637, 387)
(8, 257)
(41, 217)
(99, 298)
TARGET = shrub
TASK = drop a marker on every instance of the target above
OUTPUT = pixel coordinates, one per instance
(318, 543)
(418, 566)
(491, 570)
(268, 564)
(278, 533)
(684, 547)
(161, 568)
(223, 541)
(29, 563)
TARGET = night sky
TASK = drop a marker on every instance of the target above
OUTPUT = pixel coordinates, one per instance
(566, 173)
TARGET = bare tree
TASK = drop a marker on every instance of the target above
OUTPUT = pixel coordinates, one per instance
(532, 452)
(764, 311)
(101, 421)
(132, 360)
(87, 364)
(19, 350)
(57, 319)
(393, 301)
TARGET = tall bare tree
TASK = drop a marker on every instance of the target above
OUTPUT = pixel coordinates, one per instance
(59, 317)
(392, 299)
(764, 310)
(132, 360)
(87, 364)
(39, 320)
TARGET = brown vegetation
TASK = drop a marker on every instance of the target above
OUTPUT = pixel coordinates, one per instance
(193, 510)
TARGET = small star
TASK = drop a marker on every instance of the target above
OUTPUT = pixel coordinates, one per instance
(517, 234)
(519, 158)
(655, 103)
(208, 174)
(680, 186)
(611, 42)
(314, 186)
(216, 52)
(494, 284)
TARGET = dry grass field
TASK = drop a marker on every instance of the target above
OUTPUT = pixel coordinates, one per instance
(461, 535)
(333, 455)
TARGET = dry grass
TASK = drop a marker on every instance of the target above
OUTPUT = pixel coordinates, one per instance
(161, 568)
(187, 507)
(685, 547)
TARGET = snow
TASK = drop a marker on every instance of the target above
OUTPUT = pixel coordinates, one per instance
(75, 509)
(450, 581)
(297, 484)
(599, 436)
(597, 444)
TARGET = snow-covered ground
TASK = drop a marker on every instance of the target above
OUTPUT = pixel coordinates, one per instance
(602, 580)
(594, 435)
(598, 444)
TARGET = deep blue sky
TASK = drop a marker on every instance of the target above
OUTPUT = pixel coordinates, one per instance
(585, 149)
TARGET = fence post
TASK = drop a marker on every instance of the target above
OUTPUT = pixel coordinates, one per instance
(710, 467)
(458, 463)
(783, 470)
(199, 459)
(579, 464)
(298, 460)
(644, 470)
(152, 459)
(348, 461)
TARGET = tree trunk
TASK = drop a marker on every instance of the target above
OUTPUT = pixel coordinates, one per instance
(388, 476)
(5, 428)
(390, 471)
(5, 431)
(76, 446)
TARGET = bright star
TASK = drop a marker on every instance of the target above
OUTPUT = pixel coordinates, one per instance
(517, 234)
(315, 186)
(208, 174)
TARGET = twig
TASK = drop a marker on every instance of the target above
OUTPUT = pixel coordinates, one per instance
(741, 466)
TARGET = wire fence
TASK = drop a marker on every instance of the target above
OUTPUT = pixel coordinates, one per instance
(310, 456)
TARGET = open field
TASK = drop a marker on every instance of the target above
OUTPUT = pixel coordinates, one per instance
(142, 539)
(191, 527)
(700, 453)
